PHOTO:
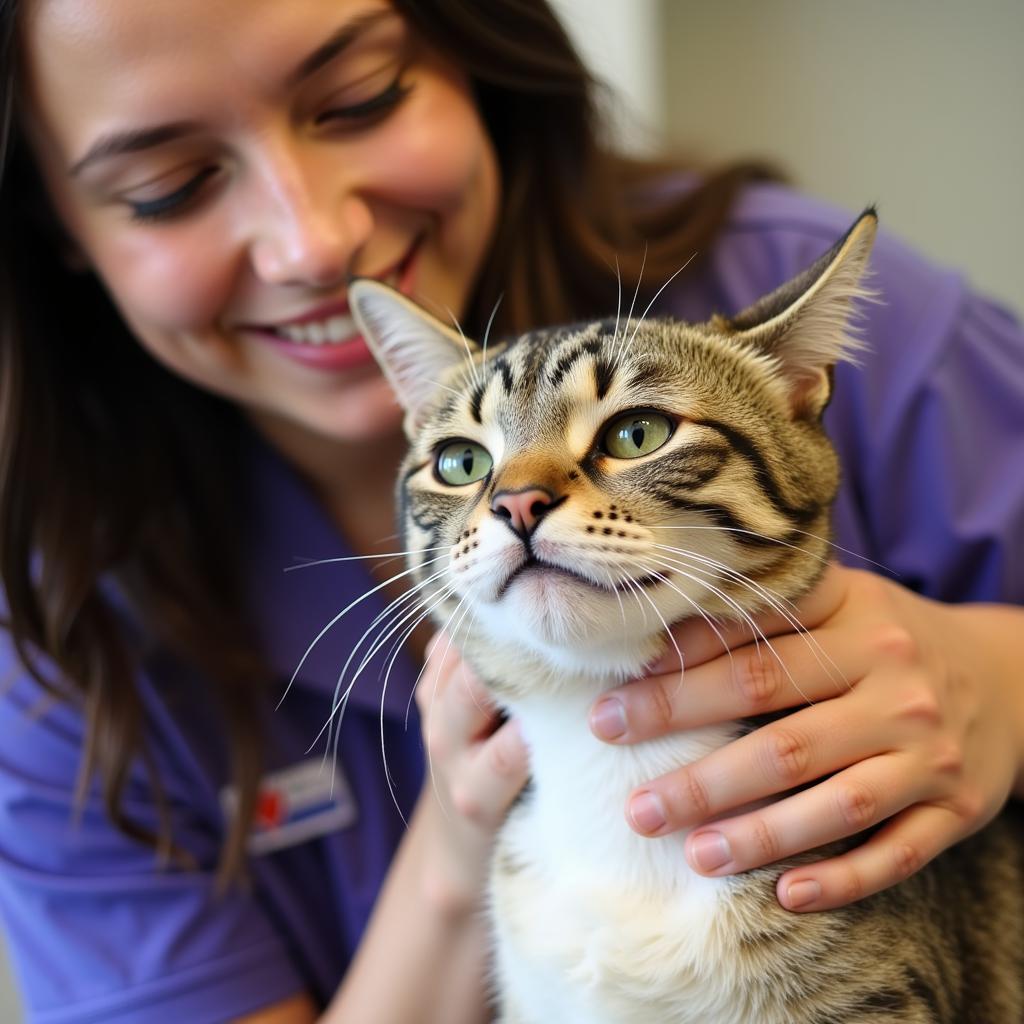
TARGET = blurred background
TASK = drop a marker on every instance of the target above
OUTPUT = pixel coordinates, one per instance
(917, 106)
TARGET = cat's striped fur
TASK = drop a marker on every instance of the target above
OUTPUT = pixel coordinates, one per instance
(594, 924)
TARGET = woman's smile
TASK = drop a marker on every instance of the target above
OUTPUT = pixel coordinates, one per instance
(326, 337)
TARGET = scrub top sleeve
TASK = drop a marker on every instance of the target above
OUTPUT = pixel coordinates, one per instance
(931, 431)
(98, 930)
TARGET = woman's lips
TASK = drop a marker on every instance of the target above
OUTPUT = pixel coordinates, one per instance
(344, 355)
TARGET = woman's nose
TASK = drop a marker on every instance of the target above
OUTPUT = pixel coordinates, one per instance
(310, 227)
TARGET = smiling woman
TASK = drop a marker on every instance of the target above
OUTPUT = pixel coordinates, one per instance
(187, 409)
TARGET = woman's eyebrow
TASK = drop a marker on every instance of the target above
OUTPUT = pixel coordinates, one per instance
(342, 38)
(132, 141)
(137, 139)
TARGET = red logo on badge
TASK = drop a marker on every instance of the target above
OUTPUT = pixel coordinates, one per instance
(270, 808)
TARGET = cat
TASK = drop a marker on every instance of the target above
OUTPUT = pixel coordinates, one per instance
(558, 476)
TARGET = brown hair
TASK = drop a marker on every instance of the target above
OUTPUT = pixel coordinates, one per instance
(133, 486)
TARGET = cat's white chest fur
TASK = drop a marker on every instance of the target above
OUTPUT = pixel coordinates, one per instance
(592, 919)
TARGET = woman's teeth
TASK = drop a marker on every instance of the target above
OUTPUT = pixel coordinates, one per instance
(321, 332)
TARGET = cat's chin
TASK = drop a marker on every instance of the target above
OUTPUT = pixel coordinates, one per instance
(572, 625)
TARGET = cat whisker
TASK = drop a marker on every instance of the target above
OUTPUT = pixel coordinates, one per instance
(487, 332)
(445, 387)
(333, 723)
(397, 619)
(339, 702)
(397, 616)
(618, 300)
(640, 320)
(783, 543)
(629, 316)
(740, 612)
(668, 630)
(635, 590)
(433, 694)
(383, 692)
(360, 558)
(614, 587)
(340, 699)
(341, 614)
(337, 618)
(470, 357)
(464, 666)
(745, 616)
(446, 593)
(700, 611)
(776, 603)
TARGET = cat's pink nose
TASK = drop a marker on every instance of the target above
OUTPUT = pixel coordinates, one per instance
(522, 510)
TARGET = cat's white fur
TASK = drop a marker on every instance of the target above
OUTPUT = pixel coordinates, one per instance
(594, 920)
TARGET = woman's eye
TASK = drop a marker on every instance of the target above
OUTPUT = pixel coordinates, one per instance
(169, 205)
(463, 462)
(636, 434)
(368, 110)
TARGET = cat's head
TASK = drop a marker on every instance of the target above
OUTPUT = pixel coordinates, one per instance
(573, 491)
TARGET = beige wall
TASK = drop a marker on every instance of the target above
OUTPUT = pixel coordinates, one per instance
(10, 1005)
(621, 41)
(917, 105)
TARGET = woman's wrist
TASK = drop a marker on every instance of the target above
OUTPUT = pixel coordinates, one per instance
(422, 931)
(992, 635)
(444, 887)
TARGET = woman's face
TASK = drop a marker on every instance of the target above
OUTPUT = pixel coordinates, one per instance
(225, 165)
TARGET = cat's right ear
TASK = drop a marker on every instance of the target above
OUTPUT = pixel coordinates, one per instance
(414, 349)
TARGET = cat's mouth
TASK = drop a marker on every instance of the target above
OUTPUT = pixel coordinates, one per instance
(534, 564)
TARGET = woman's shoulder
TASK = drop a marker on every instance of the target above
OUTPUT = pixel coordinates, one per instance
(773, 232)
(940, 382)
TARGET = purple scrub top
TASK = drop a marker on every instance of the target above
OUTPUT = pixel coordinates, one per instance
(931, 432)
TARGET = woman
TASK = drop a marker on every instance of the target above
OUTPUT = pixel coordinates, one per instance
(187, 188)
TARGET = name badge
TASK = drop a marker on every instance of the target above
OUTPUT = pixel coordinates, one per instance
(296, 804)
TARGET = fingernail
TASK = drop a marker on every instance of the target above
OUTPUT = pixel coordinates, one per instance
(608, 719)
(710, 850)
(646, 812)
(799, 894)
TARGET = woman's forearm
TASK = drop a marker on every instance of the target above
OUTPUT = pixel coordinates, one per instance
(423, 957)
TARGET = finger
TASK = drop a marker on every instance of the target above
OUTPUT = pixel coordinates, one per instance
(777, 757)
(442, 656)
(699, 641)
(485, 787)
(457, 711)
(843, 805)
(790, 670)
(892, 854)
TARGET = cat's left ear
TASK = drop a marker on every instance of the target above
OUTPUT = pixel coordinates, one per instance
(414, 349)
(804, 324)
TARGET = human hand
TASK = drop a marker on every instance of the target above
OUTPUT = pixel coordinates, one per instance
(477, 766)
(902, 702)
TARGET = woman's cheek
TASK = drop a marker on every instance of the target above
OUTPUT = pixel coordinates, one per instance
(169, 277)
(439, 157)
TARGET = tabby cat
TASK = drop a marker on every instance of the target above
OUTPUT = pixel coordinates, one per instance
(548, 494)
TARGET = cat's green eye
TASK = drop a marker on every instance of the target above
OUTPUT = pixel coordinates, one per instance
(463, 462)
(636, 434)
